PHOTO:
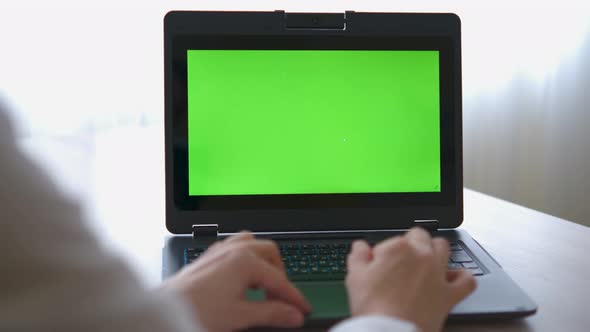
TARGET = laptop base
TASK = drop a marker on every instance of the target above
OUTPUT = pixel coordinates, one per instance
(497, 296)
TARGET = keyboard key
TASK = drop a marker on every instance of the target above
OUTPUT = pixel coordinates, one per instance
(315, 261)
(191, 254)
(454, 266)
(476, 272)
(470, 265)
(460, 257)
(318, 276)
(455, 246)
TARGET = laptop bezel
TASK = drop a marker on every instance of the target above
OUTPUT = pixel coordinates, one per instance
(269, 213)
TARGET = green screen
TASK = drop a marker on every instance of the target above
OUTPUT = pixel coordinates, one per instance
(307, 122)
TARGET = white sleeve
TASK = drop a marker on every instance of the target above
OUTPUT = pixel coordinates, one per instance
(55, 276)
(374, 324)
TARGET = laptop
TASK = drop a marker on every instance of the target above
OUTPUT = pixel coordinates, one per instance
(315, 129)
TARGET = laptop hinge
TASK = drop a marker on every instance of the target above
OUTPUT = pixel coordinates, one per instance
(201, 231)
(430, 225)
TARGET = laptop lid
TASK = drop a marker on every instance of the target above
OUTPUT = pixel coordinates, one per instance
(312, 122)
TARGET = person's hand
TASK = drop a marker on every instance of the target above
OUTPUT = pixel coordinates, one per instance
(406, 277)
(215, 286)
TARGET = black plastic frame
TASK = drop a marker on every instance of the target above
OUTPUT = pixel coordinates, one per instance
(275, 213)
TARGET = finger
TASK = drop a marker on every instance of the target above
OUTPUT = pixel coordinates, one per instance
(461, 284)
(222, 246)
(397, 246)
(360, 255)
(212, 249)
(261, 274)
(240, 237)
(452, 274)
(441, 250)
(270, 314)
(420, 239)
(267, 250)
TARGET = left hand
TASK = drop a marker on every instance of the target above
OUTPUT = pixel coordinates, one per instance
(215, 286)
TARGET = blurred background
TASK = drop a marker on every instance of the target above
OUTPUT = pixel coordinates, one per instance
(78, 73)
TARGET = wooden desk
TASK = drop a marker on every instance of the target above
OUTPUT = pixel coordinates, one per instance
(123, 190)
(545, 255)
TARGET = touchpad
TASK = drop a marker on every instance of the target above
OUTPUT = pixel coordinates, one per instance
(328, 299)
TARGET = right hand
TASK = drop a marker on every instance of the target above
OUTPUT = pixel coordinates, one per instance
(406, 277)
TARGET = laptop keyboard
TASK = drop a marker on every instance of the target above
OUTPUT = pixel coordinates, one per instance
(316, 261)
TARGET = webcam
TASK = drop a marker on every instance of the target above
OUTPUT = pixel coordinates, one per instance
(311, 21)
